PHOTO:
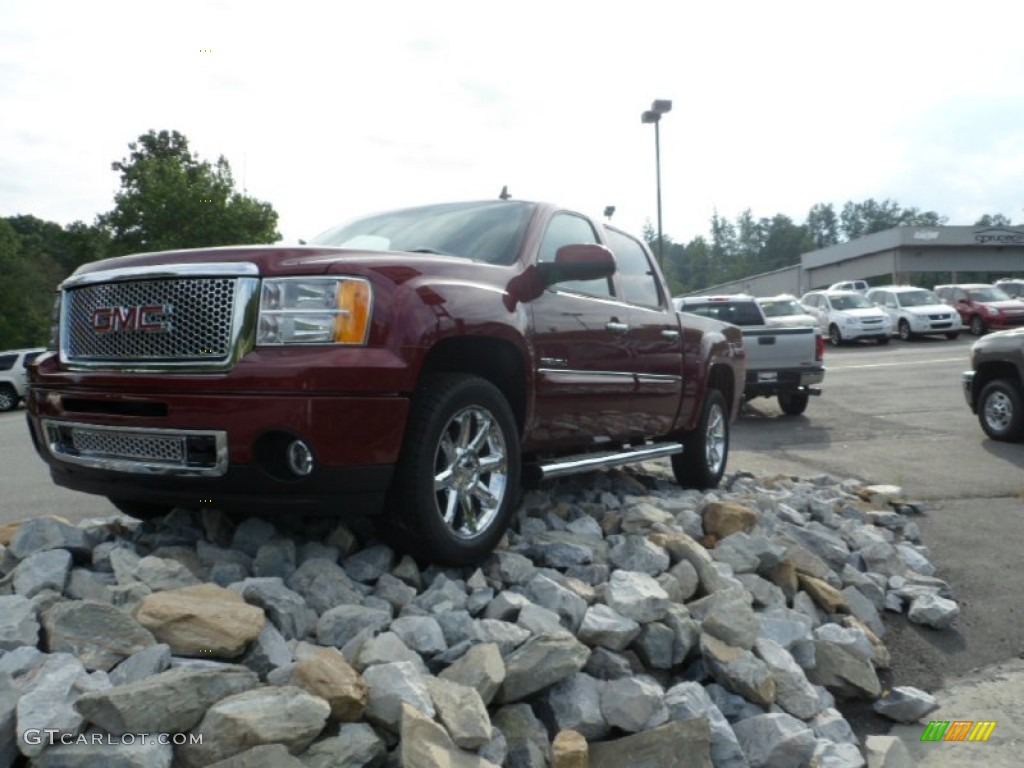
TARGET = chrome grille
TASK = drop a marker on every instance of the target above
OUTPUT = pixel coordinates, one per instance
(150, 447)
(194, 324)
(138, 450)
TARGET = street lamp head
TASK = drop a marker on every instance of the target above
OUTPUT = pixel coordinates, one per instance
(661, 106)
(650, 116)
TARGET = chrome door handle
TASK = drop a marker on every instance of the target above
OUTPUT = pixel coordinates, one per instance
(668, 333)
(616, 327)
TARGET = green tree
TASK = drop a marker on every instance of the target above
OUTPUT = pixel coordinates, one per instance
(823, 225)
(993, 220)
(26, 294)
(169, 198)
(784, 243)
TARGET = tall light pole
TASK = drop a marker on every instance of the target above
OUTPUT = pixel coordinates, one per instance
(653, 115)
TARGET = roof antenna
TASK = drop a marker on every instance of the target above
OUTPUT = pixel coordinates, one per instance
(504, 193)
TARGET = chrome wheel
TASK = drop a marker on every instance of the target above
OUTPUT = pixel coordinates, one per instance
(471, 471)
(835, 336)
(977, 326)
(716, 439)
(904, 330)
(8, 400)
(998, 411)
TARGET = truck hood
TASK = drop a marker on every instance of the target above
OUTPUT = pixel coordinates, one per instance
(273, 260)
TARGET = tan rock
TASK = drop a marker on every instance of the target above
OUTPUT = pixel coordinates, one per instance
(425, 744)
(724, 517)
(202, 620)
(823, 593)
(326, 674)
(569, 750)
(880, 655)
(7, 531)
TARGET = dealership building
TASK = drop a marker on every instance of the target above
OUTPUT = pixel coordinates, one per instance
(896, 256)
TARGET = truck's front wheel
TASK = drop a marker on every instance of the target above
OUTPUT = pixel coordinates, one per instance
(457, 479)
(1001, 410)
(702, 462)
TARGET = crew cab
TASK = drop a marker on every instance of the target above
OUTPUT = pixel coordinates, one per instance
(994, 387)
(785, 363)
(424, 362)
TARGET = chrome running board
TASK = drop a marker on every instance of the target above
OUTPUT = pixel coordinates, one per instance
(533, 474)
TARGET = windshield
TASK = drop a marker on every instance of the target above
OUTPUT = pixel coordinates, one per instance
(851, 301)
(483, 231)
(781, 307)
(920, 298)
(988, 294)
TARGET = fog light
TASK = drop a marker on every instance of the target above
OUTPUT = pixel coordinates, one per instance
(300, 458)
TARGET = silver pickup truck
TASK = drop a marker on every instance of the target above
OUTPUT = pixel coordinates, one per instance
(785, 363)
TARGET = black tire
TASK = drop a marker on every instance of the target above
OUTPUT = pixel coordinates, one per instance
(1001, 410)
(141, 510)
(706, 449)
(904, 330)
(459, 519)
(882, 340)
(793, 403)
(835, 336)
(8, 398)
(977, 326)
(953, 335)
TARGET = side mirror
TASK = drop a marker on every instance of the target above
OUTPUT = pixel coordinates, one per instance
(582, 261)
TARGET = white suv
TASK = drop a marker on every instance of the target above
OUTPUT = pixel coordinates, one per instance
(847, 316)
(14, 377)
(916, 311)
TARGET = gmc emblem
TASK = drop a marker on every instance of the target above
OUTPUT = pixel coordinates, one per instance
(151, 318)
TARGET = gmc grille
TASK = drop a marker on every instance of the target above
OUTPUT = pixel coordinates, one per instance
(168, 321)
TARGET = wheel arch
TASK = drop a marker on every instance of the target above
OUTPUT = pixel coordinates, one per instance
(990, 372)
(496, 360)
(723, 378)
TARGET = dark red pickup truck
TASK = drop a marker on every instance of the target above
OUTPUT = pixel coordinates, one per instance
(427, 362)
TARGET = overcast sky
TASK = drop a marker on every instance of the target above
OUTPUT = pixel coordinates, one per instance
(329, 110)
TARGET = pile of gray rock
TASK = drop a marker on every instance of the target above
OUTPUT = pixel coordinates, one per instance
(622, 622)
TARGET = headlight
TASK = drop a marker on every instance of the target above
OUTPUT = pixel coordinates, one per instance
(314, 310)
(51, 344)
(850, 320)
(992, 311)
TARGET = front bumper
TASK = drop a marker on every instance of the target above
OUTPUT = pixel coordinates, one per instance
(862, 331)
(222, 450)
(967, 382)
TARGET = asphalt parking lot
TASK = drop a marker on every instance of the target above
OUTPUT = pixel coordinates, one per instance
(896, 415)
(892, 414)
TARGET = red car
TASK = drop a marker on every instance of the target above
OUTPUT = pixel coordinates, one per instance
(983, 307)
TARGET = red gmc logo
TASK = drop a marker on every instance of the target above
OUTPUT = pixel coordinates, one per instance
(151, 318)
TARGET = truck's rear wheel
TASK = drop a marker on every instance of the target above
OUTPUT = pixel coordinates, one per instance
(457, 479)
(793, 403)
(706, 449)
